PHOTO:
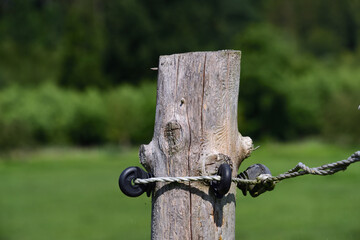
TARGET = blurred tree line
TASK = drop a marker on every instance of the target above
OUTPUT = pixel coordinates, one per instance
(79, 71)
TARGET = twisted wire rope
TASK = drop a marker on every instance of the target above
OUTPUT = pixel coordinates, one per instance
(299, 170)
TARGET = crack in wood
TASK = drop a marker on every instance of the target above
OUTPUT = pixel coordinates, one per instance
(189, 171)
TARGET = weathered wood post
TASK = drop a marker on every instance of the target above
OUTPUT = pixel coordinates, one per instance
(195, 131)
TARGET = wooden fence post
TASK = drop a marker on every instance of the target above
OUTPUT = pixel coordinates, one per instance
(195, 131)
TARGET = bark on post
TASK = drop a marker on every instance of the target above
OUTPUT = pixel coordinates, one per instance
(195, 132)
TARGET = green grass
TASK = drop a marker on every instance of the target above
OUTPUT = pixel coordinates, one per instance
(73, 194)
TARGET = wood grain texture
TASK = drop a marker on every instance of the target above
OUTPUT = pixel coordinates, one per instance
(195, 132)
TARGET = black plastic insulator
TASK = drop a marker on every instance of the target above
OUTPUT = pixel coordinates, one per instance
(251, 173)
(127, 185)
(222, 187)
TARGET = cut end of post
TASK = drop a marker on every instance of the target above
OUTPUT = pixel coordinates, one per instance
(238, 52)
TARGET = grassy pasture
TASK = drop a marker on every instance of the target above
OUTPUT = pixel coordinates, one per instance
(73, 194)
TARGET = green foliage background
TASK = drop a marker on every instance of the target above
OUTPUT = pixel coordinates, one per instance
(78, 72)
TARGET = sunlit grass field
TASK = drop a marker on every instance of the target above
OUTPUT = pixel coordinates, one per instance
(73, 194)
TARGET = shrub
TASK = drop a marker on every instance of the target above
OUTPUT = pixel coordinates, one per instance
(271, 62)
(285, 94)
(131, 113)
(341, 119)
(87, 125)
(52, 115)
(36, 115)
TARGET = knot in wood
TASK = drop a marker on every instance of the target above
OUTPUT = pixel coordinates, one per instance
(173, 137)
